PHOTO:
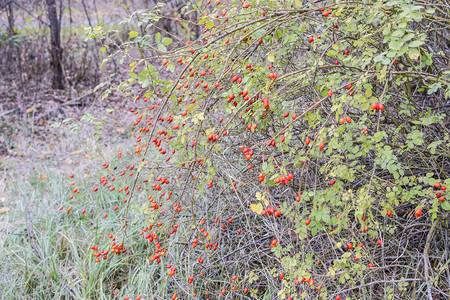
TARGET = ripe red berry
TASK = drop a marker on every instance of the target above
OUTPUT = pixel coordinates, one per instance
(418, 212)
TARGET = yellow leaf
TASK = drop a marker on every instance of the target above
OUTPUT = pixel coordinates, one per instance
(257, 208)
(266, 202)
(88, 155)
(258, 195)
(208, 236)
(271, 57)
(133, 34)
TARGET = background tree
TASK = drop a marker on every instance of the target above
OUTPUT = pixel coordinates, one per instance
(7, 5)
(55, 46)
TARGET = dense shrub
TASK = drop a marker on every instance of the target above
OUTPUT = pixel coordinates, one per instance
(294, 149)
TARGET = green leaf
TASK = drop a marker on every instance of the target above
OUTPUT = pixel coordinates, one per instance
(396, 44)
(433, 88)
(446, 205)
(166, 41)
(398, 33)
(326, 218)
(158, 37)
(414, 53)
(331, 53)
(161, 48)
(415, 44)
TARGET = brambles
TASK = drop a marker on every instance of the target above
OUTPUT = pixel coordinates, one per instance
(205, 202)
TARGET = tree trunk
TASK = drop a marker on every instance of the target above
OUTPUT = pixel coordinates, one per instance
(55, 51)
(10, 14)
